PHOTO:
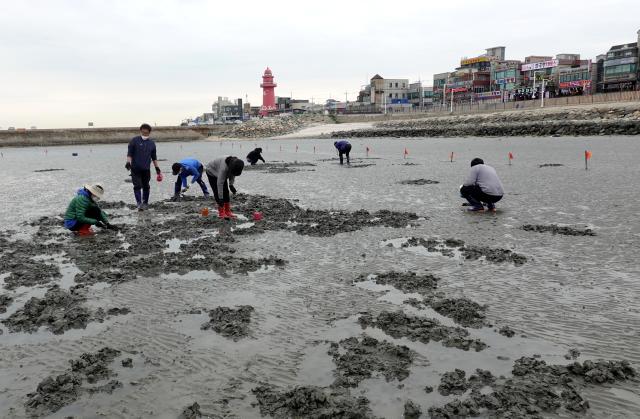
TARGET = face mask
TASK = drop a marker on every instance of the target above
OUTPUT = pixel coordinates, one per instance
(145, 137)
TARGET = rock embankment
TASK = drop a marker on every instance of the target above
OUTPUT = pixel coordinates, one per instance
(593, 120)
(270, 127)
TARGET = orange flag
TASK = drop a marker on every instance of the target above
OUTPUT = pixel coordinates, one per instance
(587, 154)
(510, 156)
(406, 152)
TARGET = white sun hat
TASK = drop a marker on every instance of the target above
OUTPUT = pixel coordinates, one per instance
(96, 190)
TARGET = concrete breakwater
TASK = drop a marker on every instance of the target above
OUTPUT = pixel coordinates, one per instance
(592, 120)
(53, 137)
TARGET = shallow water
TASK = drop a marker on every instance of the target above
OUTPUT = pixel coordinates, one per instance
(574, 292)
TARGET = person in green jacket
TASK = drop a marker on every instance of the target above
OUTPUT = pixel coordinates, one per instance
(83, 211)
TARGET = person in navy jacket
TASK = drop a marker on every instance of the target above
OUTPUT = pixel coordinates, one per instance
(183, 169)
(343, 147)
(140, 154)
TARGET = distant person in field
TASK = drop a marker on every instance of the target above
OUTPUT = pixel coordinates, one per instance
(482, 187)
(221, 173)
(254, 156)
(83, 210)
(343, 147)
(183, 169)
(140, 154)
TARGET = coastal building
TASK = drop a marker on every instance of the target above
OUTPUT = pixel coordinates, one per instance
(420, 95)
(383, 93)
(620, 67)
(440, 81)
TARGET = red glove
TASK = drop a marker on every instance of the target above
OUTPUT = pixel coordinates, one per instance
(159, 177)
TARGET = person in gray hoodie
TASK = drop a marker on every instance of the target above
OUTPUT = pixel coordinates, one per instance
(221, 173)
(482, 186)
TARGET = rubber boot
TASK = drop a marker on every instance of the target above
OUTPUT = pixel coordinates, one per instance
(227, 210)
(85, 230)
(221, 212)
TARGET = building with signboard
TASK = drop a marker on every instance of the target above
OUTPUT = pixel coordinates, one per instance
(381, 92)
(620, 67)
(420, 95)
(506, 75)
(440, 80)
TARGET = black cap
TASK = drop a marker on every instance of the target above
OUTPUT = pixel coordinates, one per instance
(235, 166)
(175, 168)
(477, 160)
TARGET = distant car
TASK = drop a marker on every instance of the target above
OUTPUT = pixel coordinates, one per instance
(11, 129)
(237, 121)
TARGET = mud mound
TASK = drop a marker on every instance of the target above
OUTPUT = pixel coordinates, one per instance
(455, 382)
(311, 402)
(462, 310)
(279, 167)
(398, 324)
(358, 359)
(26, 272)
(408, 282)
(191, 412)
(59, 311)
(418, 182)
(229, 322)
(359, 166)
(555, 229)
(53, 393)
(536, 389)
(449, 247)
(47, 170)
(5, 301)
(411, 410)
(550, 165)
(507, 331)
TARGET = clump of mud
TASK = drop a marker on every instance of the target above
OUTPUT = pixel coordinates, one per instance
(408, 282)
(399, 324)
(25, 271)
(47, 170)
(359, 165)
(358, 359)
(507, 331)
(535, 389)
(418, 182)
(58, 311)
(550, 165)
(229, 322)
(5, 301)
(279, 167)
(448, 247)
(311, 402)
(462, 310)
(556, 229)
(455, 382)
(55, 392)
(191, 412)
(411, 410)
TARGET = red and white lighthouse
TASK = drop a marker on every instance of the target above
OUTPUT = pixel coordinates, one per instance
(268, 94)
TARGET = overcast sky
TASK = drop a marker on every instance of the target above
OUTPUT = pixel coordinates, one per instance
(119, 63)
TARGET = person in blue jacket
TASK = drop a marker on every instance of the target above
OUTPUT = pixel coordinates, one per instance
(141, 152)
(183, 169)
(343, 147)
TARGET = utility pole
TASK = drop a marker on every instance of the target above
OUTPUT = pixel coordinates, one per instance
(451, 111)
(543, 86)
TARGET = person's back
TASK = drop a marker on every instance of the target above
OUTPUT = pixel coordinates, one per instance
(486, 178)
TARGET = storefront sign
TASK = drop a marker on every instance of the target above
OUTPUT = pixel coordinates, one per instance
(540, 65)
(457, 90)
(620, 61)
(506, 80)
(489, 95)
(469, 61)
(576, 83)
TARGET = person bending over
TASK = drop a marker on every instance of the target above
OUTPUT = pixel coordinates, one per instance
(254, 156)
(183, 169)
(343, 147)
(221, 173)
(482, 186)
(140, 153)
(83, 210)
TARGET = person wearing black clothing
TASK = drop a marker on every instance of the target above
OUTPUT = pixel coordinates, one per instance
(140, 154)
(254, 156)
(343, 147)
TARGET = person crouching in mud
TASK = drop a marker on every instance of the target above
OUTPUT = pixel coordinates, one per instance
(183, 169)
(83, 210)
(221, 173)
(254, 156)
(343, 147)
(482, 186)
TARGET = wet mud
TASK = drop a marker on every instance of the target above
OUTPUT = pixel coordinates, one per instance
(448, 247)
(58, 311)
(399, 324)
(556, 229)
(47, 170)
(408, 282)
(5, 301)
(535, 390)
(311, 402)
(280, 167)
(232, 323)
(462, 310)
(411, 410)
(550, 165)
(418, 182)
(359, 359)
(507, 331)
(55, 392)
